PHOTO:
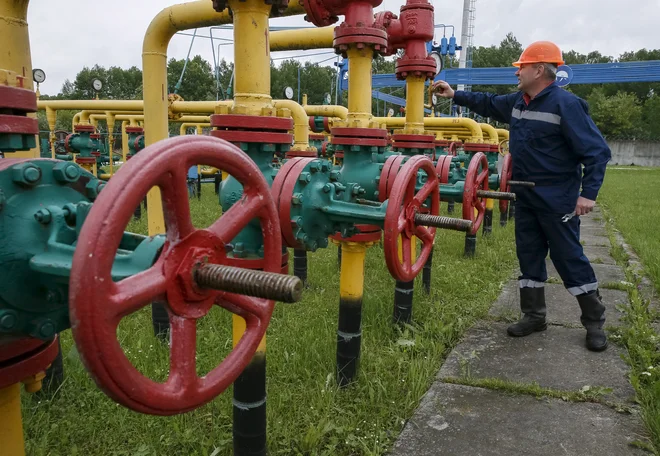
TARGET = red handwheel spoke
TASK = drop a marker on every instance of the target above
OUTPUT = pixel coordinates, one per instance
(176, 207)
(237, 217)
(424, 234)
(183, 350)
(135, 292)
(426, 191)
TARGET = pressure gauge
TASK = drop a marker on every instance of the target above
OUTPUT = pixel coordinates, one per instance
(38, 75)
(97, 84)
(327, 98)
(288, 93)
(438, 62)
(434, 100)
(390, 112)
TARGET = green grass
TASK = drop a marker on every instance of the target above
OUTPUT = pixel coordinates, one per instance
(307, 413)
(629, 201)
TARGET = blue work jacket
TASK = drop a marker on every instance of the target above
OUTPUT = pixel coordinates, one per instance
(550, 137)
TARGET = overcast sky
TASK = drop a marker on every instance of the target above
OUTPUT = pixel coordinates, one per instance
(69, 34)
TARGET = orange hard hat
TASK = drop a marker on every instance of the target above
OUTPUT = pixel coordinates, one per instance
(541, 52)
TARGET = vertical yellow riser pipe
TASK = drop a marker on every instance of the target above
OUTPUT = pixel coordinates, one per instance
(110, 121)
(51, 117)
(414, 105)
(403, 291)
(15, 52)
(124, 140)
(359, 86)
(75, 120)
(11, 424)
(349, 329)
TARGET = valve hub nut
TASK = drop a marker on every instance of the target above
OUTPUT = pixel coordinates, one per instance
(66, 172)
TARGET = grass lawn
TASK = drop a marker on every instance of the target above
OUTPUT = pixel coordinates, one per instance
(630, 201)
(307, 413)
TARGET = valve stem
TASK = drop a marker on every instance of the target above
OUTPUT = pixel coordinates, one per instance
(446, 223)
(496, 195)
(259, 284)
(523, 184)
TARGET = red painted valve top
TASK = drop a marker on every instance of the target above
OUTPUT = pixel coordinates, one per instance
(410, 32)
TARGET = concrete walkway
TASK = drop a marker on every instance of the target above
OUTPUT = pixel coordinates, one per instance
(486, 400)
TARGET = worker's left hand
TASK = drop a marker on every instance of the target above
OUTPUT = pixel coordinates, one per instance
(584, 206)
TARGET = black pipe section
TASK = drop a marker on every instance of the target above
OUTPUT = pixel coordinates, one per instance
(216, 182)
(504, 217)
(339, 256)
(512, 212)
(426, 273)
(450, 207)
(249, 425)
(199, 187)
(349, 339)
(488, 222)
(403, 301)
(300, 265)
(470, 245)
(160, 321)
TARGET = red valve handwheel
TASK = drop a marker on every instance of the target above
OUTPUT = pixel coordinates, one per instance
(403, 204)
(283, 186)
(442, 168)
(388, 176)
(453, 148)
(97, 303)
(476, 179)
(505, 177)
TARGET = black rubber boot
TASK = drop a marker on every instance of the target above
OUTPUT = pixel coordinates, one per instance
(593, 319)
(532, 305)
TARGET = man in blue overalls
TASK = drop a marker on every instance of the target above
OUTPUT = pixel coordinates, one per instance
(551, 138)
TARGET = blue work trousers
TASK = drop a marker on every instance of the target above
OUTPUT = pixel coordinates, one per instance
(539, 231)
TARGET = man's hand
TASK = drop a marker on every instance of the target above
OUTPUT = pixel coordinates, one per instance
(584, 206)
(443, 89)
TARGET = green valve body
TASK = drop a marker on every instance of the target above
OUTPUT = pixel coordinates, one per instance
(43, 205)
(249, 242)
(362, 166)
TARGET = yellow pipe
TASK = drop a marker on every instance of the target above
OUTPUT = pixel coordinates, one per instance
(436, 123)
(359, 86)
(51, 117)
(124, 140)
(327, 111)
(11, 425)
(92, 105)
(415, 105)
(300, 124)
(302, 39)
(186, 125)
(15, 54)
(490, 131)
(251, 57)
(351, 280)
(110, 121)
(502, 134)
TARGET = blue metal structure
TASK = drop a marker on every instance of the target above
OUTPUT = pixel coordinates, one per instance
(598, 73)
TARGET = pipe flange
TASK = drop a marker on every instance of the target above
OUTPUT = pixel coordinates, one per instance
(80, 128)
(19, 101)
(346, 35)
(318, 14)
(407, 142)
(419, 67)
(476, 147)
(367, 233)
(30, 356)
(135, 130)
(347, 136)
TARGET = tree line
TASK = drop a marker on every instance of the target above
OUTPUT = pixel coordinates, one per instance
(620, 110)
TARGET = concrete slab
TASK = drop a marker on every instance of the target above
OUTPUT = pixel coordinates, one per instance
(590, 240)
(604, 272)
(464, 421)
(592, 229)
(555, 358)
(595, 253)
(563, 308)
